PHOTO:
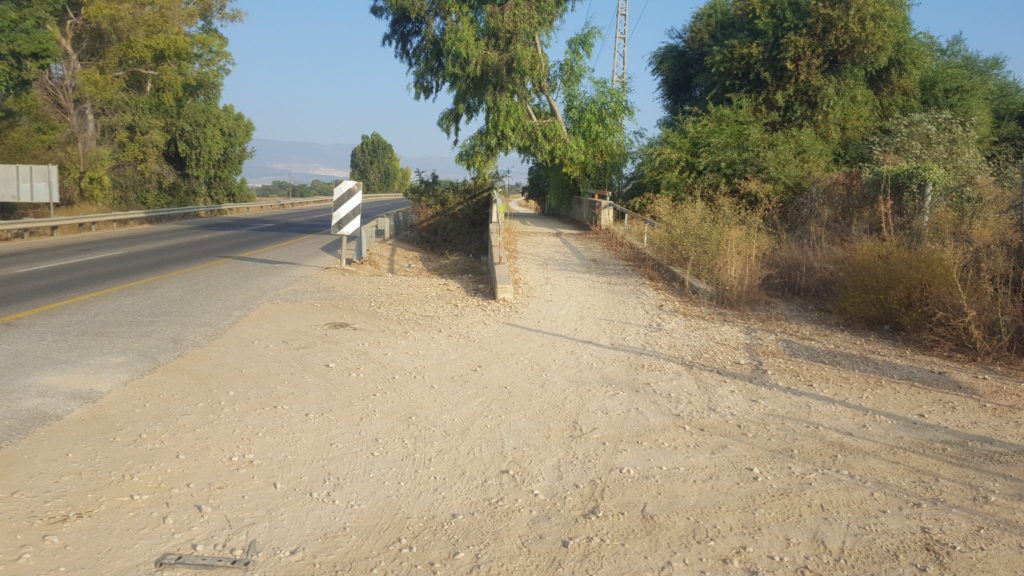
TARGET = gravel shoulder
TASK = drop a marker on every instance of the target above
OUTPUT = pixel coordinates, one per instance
(390, 419)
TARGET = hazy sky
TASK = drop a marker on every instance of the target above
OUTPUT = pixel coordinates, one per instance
(315, 70)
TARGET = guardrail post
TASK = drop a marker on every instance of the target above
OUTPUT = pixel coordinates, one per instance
(363, 243)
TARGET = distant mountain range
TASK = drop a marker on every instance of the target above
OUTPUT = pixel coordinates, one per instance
(303, 162)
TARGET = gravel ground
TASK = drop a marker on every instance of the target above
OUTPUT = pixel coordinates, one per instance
(391, 419)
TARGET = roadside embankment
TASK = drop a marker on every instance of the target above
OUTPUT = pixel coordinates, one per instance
(393, 419)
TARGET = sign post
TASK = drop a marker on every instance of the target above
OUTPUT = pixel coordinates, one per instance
(346, 216)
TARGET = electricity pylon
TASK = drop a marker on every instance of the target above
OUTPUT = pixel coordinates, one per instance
(621, 44)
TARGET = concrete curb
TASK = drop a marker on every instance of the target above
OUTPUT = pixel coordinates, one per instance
(497, 256)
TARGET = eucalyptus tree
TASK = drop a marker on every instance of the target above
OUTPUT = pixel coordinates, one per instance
(492, 58)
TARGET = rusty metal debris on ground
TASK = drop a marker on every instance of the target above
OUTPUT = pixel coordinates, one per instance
(171, 560)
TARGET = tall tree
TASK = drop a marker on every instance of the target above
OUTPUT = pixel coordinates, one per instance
(492, 58)
(375, 164)
(978, 89)
(839, 66)
(134, 86)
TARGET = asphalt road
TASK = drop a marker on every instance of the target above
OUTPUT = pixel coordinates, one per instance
(80, 315)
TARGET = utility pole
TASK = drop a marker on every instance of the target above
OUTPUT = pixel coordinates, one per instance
(621, 44)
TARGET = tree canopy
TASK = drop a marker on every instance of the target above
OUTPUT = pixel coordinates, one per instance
(837, 65)
(375, 163)
(125, 96)
(779, 91)
(492, 59)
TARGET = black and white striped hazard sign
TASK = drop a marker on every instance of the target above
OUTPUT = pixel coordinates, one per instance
(348, 207)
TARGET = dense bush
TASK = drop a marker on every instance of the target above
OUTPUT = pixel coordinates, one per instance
(125, 97)
(885, 164)
(451, 216)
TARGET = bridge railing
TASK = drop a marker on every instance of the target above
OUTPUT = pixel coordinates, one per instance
(627, 213)
(635, 231)
(381, 229)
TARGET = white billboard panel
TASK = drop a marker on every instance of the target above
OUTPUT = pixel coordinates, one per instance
(24, 183)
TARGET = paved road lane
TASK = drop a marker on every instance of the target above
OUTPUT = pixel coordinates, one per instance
(80, 315)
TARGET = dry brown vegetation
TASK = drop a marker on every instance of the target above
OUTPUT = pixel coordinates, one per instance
(955, 285)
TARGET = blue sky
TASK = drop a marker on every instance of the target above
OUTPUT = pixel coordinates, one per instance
(315, 70)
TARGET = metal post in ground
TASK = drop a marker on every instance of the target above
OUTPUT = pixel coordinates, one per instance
(363, 243)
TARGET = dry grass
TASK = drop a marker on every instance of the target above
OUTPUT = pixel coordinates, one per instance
(964, 298)
(804, 269)
(721, 244)
(957, 289)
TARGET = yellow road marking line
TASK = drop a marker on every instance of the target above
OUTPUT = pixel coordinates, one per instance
(146, 281)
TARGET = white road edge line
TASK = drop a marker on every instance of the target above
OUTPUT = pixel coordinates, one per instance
(67, 262)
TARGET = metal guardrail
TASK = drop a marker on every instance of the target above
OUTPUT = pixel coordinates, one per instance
(382, 228)
(28, 225)
(32, 223)
(626, 212)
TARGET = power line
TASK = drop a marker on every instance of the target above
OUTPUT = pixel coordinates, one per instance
(637, 23)
(604, 39)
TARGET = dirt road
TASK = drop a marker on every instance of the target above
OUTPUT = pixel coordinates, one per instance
(390, 419)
